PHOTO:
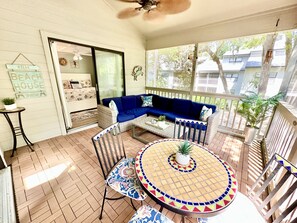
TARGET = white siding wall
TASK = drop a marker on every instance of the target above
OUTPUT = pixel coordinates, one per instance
(91, 21)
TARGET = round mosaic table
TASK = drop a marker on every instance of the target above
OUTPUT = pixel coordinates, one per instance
(203, 188)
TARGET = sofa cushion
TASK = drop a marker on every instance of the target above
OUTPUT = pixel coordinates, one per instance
(129, 102)
(117, 100)
(181, 106)
(156, 112)
(172, 115)
(162, 102)
(138, 111)
(123, 117)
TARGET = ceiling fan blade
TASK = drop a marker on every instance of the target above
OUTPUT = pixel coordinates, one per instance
(173, 6)
(128, 1)
(153, 15)
(128, 13)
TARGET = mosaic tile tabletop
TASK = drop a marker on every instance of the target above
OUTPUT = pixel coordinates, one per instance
(203, 188)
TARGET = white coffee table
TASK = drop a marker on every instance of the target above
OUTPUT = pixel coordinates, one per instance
(166, 133)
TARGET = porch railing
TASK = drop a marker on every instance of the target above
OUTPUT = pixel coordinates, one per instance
(230, 121)
(282, 133)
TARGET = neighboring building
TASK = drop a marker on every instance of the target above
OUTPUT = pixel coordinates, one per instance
(240, 69)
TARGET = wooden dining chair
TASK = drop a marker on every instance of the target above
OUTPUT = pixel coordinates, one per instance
(146, 214)
(189, 129)
(118, 171)
(279, 205)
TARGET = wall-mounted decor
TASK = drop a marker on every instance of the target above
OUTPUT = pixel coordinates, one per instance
(74, 64)
(62, 61)
(137, 71)
(26, 79)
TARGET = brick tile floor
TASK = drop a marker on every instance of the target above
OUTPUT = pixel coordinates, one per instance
(62, 182)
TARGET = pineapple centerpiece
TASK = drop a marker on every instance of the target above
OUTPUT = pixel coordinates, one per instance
(183, 153)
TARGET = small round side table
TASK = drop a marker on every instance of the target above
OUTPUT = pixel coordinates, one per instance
(16, 130)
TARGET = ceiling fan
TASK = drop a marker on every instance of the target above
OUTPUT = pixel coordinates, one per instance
(154, 9)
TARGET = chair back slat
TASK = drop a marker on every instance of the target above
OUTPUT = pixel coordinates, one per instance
(275, 190)
(109, 139)
(109, 148)
(194, 132)
(188, 134)
(281, 200)
(282, 190)
(267, 181)
(294, 221)
(104, 161)
(258, 180)
(286, 212)
(188, 129)
(105, 150)
(115, 144)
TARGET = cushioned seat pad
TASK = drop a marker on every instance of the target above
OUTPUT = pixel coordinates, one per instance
(123, 117)
(147, 214)
(171, 116)
(138, 111)
(123, 180)
(156, 112)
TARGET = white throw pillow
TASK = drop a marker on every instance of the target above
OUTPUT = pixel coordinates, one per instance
(205, 113)
(112, 105)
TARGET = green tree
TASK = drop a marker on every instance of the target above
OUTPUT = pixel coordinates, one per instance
(174, 60)
(267, 42)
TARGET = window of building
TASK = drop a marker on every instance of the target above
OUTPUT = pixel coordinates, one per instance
(235, 59)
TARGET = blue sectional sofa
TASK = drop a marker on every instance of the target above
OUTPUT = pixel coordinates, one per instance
(130, 108)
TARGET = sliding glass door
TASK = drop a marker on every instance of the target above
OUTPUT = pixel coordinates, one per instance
(110, 73)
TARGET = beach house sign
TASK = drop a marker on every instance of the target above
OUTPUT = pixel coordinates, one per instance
(27, 80)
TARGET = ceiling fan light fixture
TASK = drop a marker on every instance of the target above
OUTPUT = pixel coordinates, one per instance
(153, 16)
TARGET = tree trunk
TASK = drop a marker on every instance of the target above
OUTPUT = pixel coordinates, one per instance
(222, 76)
(288, 46)
(216, 59)
(266, 62)
(156, 68)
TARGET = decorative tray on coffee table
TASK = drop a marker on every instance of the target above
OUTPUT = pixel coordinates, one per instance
(156, 124)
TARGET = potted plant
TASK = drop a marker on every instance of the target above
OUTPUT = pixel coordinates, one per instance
(255, 109)
(183, 154)
(161, 120)
(9, 103)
